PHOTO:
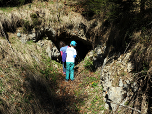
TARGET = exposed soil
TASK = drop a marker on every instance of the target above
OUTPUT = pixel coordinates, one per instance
(66, 101)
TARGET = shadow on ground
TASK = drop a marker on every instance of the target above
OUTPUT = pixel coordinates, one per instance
(48, 96)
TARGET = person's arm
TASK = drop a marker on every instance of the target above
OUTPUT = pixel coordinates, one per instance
(75, 53)
(61, 53)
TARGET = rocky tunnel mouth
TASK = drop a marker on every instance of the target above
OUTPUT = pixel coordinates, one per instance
(82, 48)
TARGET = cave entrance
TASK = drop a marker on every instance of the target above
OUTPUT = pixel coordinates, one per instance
(83, 46)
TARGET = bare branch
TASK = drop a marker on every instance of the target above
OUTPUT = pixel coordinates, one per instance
(124, 106)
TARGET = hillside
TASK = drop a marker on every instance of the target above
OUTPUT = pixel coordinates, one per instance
(33, 83)
(113, 66)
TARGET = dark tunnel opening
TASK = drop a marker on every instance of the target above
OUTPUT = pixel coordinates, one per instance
(82, 48)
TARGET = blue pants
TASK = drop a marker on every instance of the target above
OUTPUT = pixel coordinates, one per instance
(69, 70)
(64, 69)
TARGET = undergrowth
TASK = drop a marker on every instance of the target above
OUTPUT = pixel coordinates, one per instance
(89, 94)
(23, 78)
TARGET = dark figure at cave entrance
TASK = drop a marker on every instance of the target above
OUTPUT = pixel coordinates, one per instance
(63, 48)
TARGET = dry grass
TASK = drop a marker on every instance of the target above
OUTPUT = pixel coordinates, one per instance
(24, 69)
(48, 12)
(20, 68)
(25, 89)
(19, 75)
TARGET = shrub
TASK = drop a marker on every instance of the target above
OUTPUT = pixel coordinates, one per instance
(35, 20)
(26, 26)
(89, 64)
(33, 15)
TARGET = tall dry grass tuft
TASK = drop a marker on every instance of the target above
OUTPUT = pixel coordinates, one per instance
(21, 82)
(51, 14)
(9, 22)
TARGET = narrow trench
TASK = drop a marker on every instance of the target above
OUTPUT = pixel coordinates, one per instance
(82, 48)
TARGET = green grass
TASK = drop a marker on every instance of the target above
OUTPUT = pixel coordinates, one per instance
(30, 42)
(126, 103)
(123, 73)
(51, 2)
(50, 72)
(7, 9)
(91, 80)
(88, 64)
(93, 93)
(96, 105)
(1, 87)
(2, 38)
(94, 84)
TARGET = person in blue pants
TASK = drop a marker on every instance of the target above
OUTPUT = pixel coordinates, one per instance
(63, 48)
(70, 61)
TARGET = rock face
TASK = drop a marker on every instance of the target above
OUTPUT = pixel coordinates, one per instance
(116, 77)
(37, 35)
(50, 48)
(97, 55)
(113, 80)
(77, 31)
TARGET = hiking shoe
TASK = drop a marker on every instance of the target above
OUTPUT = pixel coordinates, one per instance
(66, 80)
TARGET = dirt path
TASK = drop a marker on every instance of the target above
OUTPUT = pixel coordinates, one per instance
(65, 93)
(74, 97)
